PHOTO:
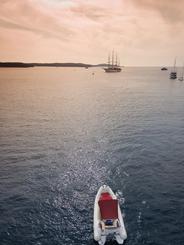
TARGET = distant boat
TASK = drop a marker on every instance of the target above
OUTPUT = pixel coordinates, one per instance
(182, 75)
(113, 65)
(173, 74)
(164, 69)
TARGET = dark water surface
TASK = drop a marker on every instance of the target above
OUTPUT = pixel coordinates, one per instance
(65, 132)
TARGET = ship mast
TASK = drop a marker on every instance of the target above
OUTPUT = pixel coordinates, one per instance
(113, 58)
(109, 60)
(182, 71)
(116, 60)
(175, 65)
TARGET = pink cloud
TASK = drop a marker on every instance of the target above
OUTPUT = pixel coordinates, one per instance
(170, 10)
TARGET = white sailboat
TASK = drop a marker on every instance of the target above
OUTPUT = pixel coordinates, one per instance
(182, 74)
(173, 74)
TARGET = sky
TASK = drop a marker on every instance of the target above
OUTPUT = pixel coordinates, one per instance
(142, 32)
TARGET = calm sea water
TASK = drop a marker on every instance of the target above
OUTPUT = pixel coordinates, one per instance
(64, 132)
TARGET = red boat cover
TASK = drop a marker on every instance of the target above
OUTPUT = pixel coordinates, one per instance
(108, 208)
(105, 196)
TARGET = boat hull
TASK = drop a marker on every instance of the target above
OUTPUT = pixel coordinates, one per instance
(173, 75)
(100, 235)
(112, 70)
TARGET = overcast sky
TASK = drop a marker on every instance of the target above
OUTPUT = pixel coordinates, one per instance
(143, 32)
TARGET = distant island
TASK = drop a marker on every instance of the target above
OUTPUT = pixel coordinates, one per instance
(26, 65)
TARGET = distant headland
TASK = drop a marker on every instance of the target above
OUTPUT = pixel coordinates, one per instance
(26, 65)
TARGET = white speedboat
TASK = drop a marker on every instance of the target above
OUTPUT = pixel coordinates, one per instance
(108, 217)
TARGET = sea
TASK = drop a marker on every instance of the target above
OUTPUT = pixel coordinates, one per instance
(64, 132)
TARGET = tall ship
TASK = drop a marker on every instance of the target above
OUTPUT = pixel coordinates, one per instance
(173, 74)
(113, 63)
